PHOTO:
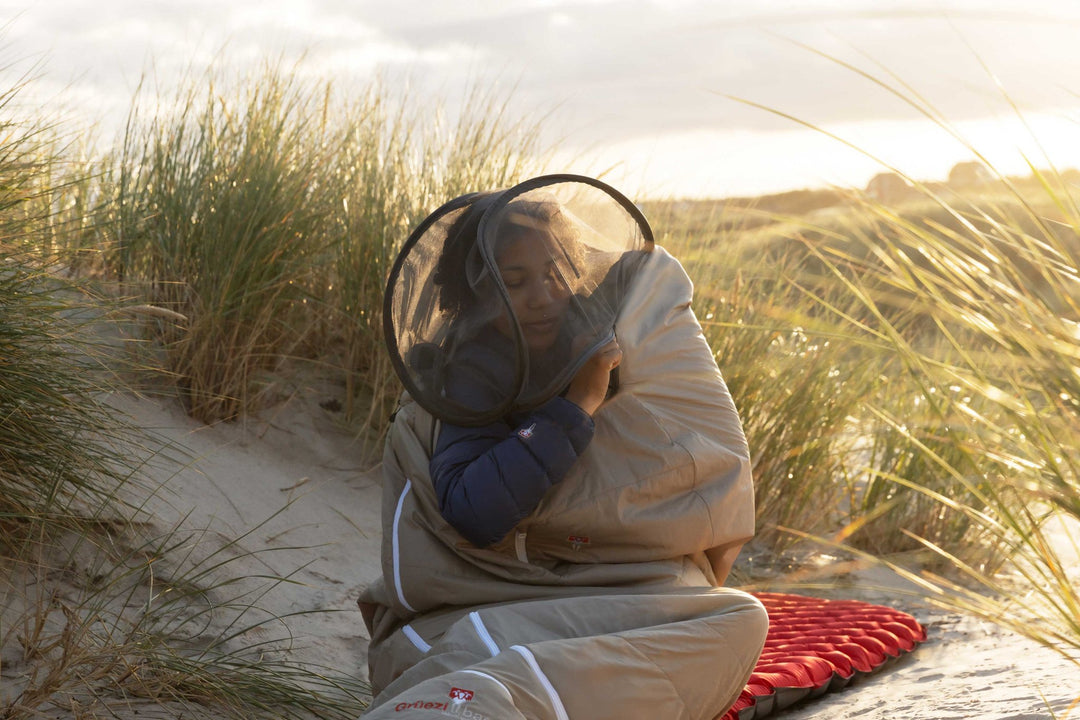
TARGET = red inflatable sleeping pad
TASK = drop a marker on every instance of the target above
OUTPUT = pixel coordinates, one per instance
(815, 646)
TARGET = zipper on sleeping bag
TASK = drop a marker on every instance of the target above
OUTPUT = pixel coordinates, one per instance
(482, 631)
(395, 547)
(545, 682)
(414, 637)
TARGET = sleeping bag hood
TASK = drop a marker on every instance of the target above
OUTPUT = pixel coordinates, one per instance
(498, 298)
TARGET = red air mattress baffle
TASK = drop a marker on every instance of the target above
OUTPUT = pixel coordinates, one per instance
(815, 646)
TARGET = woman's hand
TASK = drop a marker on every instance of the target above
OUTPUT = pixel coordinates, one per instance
(589, 386)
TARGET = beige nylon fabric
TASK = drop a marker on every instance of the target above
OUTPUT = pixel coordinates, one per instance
(622, 560)
(684, 654)
(667, 474)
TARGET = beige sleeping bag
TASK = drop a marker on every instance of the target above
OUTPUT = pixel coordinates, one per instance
(606, 601)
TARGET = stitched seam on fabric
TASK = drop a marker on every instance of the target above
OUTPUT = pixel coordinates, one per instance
(553, 695)
(696, 492)
(748, 664)
(485, 636)
(395, 548)
(415, 639)
(692, 463)
(492, 679)
(672, 467)
(708, 514)
(686, 709)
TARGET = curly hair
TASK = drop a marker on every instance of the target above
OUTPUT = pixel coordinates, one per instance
(459, 271)
(451, 269)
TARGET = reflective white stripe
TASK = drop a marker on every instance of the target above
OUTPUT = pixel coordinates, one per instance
(492, 679)
(396, 552)
(519, 546)
(485, 636)
(556, 701)
(415, 639)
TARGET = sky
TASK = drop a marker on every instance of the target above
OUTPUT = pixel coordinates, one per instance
(671, 98)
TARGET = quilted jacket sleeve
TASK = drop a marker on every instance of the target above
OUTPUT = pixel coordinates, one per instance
(489, 478)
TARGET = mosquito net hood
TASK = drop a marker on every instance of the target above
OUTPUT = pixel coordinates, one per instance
(498, 298)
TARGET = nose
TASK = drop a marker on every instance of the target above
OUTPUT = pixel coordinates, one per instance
(542, 294)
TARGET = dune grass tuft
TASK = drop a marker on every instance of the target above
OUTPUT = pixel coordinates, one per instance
(267, 214)
(220, 215)
(99, 612)
(964, 300)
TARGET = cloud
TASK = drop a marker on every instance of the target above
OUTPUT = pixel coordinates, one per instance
(603, 70)
(626, 68)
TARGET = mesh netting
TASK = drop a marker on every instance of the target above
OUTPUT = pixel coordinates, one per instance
(498, 298)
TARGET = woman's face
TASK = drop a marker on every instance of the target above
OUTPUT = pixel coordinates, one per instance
(538, 292)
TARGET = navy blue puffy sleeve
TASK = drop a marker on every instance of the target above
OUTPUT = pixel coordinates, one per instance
(489, 478)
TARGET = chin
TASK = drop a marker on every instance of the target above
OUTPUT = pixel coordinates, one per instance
(535, 348)
(542, 343)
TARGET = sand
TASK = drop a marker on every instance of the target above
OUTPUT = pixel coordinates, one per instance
(294, 482)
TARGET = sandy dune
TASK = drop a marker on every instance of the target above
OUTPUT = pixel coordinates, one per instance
(296, 477)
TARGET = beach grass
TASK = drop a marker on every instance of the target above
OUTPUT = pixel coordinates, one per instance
(964, 298)
(98, 610)
(998, 379)
(265, 213)
(907, 375)
(217, 212)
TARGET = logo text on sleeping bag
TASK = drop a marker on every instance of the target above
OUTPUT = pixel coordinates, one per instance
(421, 705)
(457, 707)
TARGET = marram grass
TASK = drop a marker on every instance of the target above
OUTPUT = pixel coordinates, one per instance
(268, 215)
(223, 221)
(88, 627)
(1003, 376)
(121, 618)
(966, 447)
(908, 377)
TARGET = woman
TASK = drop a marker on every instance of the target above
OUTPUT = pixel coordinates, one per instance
(550, 540)
(488, 478)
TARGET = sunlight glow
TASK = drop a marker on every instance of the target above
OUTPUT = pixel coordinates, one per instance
(717, 163)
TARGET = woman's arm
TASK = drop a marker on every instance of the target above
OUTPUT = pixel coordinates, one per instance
(487, 479)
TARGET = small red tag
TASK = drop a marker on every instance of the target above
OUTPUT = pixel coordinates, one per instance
(459, 695)
(578, 540)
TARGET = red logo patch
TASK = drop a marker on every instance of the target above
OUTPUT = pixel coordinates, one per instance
(578, 540)
(459, 695)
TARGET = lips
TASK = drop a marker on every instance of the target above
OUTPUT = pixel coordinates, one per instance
(541, 327)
